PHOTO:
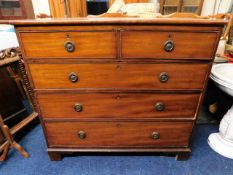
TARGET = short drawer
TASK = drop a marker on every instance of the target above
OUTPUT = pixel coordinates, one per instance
(118, 105)
(118, 134)
(169, 45)
(119, 76)
(82, 44)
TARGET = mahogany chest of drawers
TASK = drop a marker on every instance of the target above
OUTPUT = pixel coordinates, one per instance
(122, 85)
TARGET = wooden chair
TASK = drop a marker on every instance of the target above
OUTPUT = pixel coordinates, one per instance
(6, 133)
(230, 22)
(9, 142)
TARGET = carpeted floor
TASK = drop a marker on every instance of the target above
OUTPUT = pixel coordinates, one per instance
(203, 160)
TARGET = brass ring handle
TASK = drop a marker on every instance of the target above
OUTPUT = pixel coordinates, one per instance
(163, 77)
(69, 46)
(169, 46)
(159, 106)
(73, 77)
(78, 107)
(155, 135)
(82, 135)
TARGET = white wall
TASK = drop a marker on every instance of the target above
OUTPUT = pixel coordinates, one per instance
(41, 6)
(208, 7)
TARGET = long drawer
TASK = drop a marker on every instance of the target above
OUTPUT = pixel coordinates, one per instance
(172, 45)
(66, 44)
(118, 134)
(118, 105)
(120, 76)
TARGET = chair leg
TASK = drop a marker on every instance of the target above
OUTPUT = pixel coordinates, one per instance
(20, 149)
(5, 151)
(12, 143)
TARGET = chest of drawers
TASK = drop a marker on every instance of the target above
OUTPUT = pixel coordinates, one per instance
(118, 85)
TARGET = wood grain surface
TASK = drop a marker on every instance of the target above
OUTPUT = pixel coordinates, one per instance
(117, 105)
(52, 44)
(118, 134)
(150, 44)
(119, 76)
(117, 20)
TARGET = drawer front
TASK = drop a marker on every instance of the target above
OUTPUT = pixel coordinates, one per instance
(69, 44)
(118, 134)
(118, 105)
(119, 76)
(172, 45)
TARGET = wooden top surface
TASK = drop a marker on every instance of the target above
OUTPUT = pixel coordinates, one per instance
(114, 20)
